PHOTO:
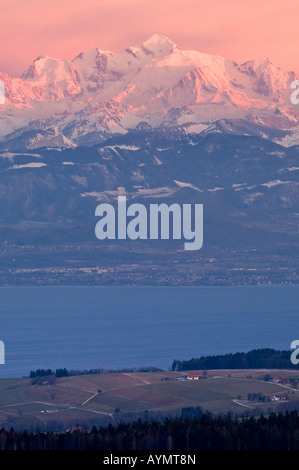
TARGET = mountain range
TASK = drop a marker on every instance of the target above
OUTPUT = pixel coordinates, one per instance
(156, 124)
(61, 103)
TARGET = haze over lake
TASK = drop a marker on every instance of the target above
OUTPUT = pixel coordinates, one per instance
(123, 327)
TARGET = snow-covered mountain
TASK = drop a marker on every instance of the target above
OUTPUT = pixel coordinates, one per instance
(62, 103)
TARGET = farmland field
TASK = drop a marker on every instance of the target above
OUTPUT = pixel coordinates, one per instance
(101, 399)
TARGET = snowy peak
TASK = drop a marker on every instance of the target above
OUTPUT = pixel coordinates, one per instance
(158, 46)
(265, 77)
(259, 65)
(156, 84)
(157, 66)
(51, 79)
(44, 65)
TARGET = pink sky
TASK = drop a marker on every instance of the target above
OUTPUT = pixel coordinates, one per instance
(236, 29)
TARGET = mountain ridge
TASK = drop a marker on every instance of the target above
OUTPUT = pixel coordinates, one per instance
(101, 93)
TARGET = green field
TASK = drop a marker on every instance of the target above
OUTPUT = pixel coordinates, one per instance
(88, 400)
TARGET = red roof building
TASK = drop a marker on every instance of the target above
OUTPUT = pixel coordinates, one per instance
(192, 377)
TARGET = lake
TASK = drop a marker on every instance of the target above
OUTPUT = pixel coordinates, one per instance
(122, 327)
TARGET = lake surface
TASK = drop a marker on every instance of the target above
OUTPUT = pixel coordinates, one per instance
(118, 327)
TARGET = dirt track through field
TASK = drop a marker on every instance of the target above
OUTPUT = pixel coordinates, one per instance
(144, 382)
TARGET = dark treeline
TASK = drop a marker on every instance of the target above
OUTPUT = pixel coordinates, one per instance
(255, 359)
(72, 372)
(275, 432)
(48, 372)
